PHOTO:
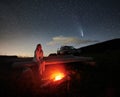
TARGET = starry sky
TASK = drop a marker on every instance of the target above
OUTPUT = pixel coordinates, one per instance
(25, 23)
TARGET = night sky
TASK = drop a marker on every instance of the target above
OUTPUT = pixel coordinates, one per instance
(25, 23)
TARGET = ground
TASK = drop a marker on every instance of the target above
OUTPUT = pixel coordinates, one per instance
(100, 80)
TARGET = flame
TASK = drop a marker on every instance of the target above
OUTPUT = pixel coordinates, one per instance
(58, 76)
(56, 72)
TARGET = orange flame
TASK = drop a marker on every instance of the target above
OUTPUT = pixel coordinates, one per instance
(56, 72)
(58, 76)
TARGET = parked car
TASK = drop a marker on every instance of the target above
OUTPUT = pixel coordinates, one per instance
(68, 50)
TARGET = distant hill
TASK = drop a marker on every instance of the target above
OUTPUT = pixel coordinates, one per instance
(102, 47)
(5, 57)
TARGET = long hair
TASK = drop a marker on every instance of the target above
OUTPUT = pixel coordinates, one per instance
(38, 54)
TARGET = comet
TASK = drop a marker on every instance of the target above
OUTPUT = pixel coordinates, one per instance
(82, 34)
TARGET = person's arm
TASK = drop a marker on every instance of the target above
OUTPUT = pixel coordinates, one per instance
(41, 54)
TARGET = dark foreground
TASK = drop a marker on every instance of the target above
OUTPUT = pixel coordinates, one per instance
(99, 80)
